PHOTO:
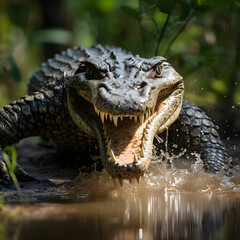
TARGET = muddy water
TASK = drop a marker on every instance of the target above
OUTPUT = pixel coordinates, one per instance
(173, 202)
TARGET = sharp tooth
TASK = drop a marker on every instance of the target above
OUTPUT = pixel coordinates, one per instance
(144, 136)
(110, 117)
(120, 181)
(146, 115)
(142, 145)
(139, 179)
(102, 114)
(130, 117)
(121, 117)
(96, 110)
(152, 110)
(113, 160)
(115, 120)
(135, 117)
(135, 158)
(149, 113)
(141, 118)
(112, 155)
(106, 115)
(116, 182)
(109, 143)
(142, 152)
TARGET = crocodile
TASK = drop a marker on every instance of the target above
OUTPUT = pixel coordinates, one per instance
(108, 99)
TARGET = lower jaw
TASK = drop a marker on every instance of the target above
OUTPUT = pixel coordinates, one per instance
(157, 124)
(130, 171)
(123, 167)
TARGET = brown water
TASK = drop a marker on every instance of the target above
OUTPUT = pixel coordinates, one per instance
(177, 202)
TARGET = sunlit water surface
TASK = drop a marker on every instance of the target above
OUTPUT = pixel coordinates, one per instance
(172, 202)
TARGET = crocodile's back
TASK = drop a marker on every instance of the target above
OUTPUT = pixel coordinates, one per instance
(67, 63)
(64, 63)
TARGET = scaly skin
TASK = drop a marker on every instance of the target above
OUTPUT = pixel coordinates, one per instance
(106, 97)
(195, 132)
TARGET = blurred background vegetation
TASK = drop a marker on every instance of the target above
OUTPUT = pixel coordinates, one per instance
(200, 38)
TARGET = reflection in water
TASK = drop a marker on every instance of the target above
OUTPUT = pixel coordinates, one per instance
(164, 216)
(170, 204)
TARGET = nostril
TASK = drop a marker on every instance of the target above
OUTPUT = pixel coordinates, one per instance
(104, 85)
(143, 84)
(145, 89)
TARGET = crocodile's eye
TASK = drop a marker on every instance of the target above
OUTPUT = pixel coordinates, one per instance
(90, 72)
(80, 69)
(158, 70)
(155, 72)
(93, 73)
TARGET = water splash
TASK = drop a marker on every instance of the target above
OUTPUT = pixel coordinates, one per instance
(182, 175)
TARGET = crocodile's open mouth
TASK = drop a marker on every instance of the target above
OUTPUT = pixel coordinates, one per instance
(128, 139)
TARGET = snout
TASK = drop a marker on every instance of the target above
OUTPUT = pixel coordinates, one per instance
(120, 100)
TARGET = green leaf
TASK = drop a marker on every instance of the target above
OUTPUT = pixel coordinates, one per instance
(130, 12)
(11, 165)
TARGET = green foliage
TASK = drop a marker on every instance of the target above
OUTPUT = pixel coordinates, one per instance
(199, 37)
(194, 48)
(11, 165)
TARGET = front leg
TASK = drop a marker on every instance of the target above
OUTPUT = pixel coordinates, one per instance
(194, 131)
(32, 115)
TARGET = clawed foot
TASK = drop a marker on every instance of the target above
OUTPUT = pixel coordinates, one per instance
(21, 174)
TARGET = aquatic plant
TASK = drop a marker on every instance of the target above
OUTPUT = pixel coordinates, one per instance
(11, 165)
